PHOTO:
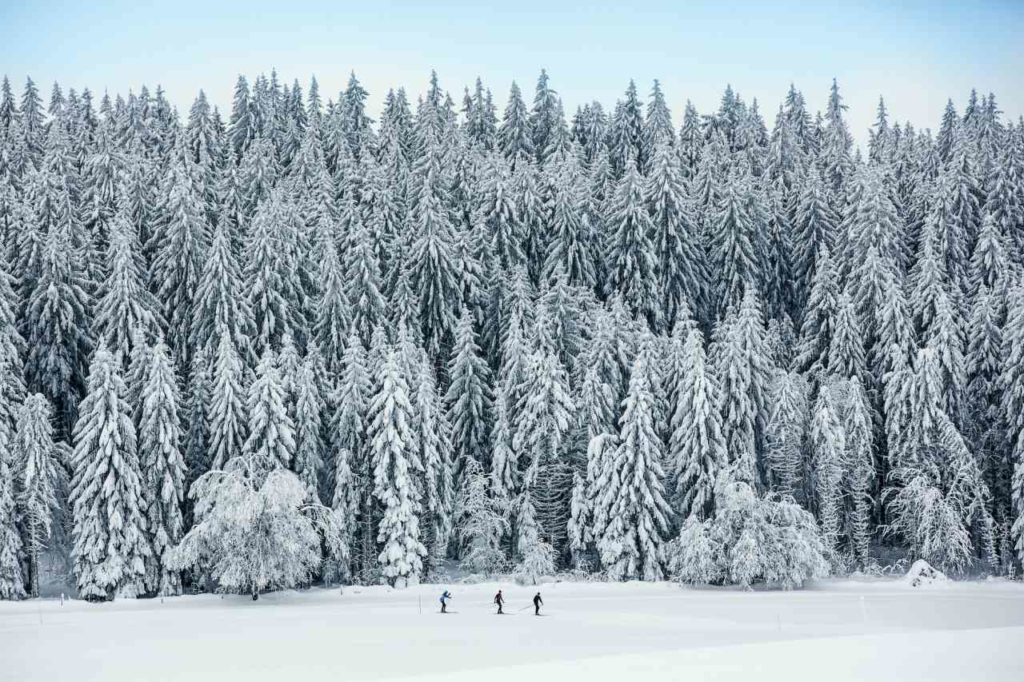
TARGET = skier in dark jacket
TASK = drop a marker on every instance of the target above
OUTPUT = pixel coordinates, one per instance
(537, 603)
(499, 600)
(444, 601)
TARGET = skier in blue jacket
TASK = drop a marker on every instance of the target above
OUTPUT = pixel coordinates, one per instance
(444, 601)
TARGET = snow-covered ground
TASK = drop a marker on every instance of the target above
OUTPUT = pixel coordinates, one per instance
(881, 630)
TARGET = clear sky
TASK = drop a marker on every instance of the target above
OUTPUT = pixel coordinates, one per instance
(915, 54)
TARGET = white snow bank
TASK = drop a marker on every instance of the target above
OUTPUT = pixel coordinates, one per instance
(935, 657)
(921, 574)
(877, 630)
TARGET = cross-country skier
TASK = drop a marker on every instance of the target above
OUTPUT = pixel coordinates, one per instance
(444, 601)
(499, 600)
(537, 603)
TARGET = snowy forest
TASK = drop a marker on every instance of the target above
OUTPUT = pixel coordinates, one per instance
(287, 344)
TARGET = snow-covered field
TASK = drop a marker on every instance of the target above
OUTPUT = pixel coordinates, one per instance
(650, 632)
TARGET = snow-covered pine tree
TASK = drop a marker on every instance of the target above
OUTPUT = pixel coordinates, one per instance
(221, 305)
(180, 244)
(786, 432)
(733, 248)
(682, 264)
(309, 411)
(271, 441)
(828, 448)
(858, 481)
(163, 469)
(696, 447)
(433, 437)
(395, 466)
(41, 474)
(514, 138)
(1012, 385)
(540, 435)
(741, 365)
(332, 318)
(272, 276)
(57, 332)
(124, 305)
(819, 316)
(107, 496)
(362, 272)
(468, 397)
(12, 582)
(630, 252)
(227, 415)
(434, 277)
(632, 490)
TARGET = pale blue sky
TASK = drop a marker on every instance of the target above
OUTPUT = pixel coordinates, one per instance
(915, 54)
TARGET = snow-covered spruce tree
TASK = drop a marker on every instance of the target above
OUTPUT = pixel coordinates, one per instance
(271, 274)
(331, 321)
(362, 272)
(57, 333)
(814, 227)
(309, 414)
(353, 467)
(733, 247)
(846, 356)
(395, 466)
(107, 496)
(433, 267)
(433, 438)
(1012, 384)
(938, 497)
(819, 316)
(124, 306)
(682, 264)
(12, 581)
(786, 432)
(514, 138)
(858, 480)
(504, 476)
(163, 469)
(632, 489)
(196, 427)
(696, 448)
(41, 466)
(227, 415)
(271, 441)
(631, 253)
(468, 397)
(255, 531)
(221, 306)
(539, 439)
(828, 447)
(180, 244)
(741, 365)
(572, 246)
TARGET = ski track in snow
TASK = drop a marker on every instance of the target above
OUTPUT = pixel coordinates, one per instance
(837, 630)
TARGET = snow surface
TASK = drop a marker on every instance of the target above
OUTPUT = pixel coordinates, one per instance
(837, 630)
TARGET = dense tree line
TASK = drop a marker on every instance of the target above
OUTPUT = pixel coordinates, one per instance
(298, 344)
